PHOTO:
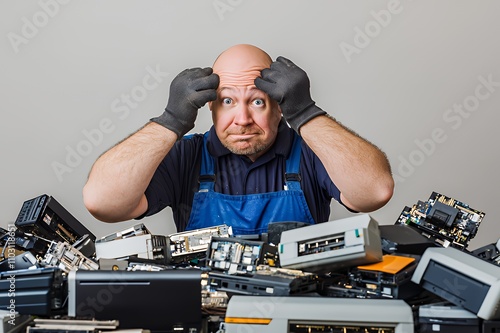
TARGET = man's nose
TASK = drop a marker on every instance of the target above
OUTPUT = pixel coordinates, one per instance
(243, 115)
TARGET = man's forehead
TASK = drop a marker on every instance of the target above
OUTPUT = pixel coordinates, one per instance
(240, 65)
(241, 77)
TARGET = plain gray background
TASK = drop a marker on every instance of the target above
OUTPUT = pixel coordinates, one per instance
(420, 79)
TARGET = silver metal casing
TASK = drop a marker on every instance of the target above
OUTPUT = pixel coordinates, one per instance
(282, 314)
(461, 279)
(332, 245)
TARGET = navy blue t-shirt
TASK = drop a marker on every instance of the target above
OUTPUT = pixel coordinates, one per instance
(176, 180)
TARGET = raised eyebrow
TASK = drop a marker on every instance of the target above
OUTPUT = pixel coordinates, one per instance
(252, 90)
(259, 95)
(225, 88)
(255, 90)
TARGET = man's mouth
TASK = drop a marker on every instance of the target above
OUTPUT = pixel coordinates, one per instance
(243, 136)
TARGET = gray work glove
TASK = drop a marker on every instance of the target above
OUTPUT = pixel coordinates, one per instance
(189, 91)
(289, 86)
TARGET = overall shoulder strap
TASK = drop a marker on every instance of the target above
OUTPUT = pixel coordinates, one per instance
(292, 173)
(207, 175)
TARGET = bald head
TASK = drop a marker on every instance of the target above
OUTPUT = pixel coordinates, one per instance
(240, 65)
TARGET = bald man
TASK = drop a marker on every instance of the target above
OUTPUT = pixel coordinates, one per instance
(271, 155)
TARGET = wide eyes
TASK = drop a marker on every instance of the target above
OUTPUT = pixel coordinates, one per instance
(227, 101)
(256, 102)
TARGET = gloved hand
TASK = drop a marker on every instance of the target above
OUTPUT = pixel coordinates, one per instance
(289, 86)
(189, 91)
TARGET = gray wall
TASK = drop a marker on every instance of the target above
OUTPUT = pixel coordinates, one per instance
(410, 76)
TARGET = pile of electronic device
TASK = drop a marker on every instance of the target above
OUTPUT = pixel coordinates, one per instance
(347, 275)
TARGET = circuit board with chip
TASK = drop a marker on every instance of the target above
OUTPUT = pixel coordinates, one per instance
(447, 221)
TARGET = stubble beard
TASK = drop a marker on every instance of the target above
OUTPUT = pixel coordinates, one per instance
(252, 149)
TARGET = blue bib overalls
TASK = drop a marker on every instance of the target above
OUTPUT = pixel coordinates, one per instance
(249, 214)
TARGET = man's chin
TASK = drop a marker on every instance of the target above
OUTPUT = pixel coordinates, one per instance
(244, 148)
(241, 149)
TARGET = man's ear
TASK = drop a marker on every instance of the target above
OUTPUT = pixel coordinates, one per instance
(210, 105)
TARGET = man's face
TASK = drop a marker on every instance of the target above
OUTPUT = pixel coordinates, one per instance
(245, 119)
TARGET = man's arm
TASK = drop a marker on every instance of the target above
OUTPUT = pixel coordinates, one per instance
(118, 179)
(359, 169)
